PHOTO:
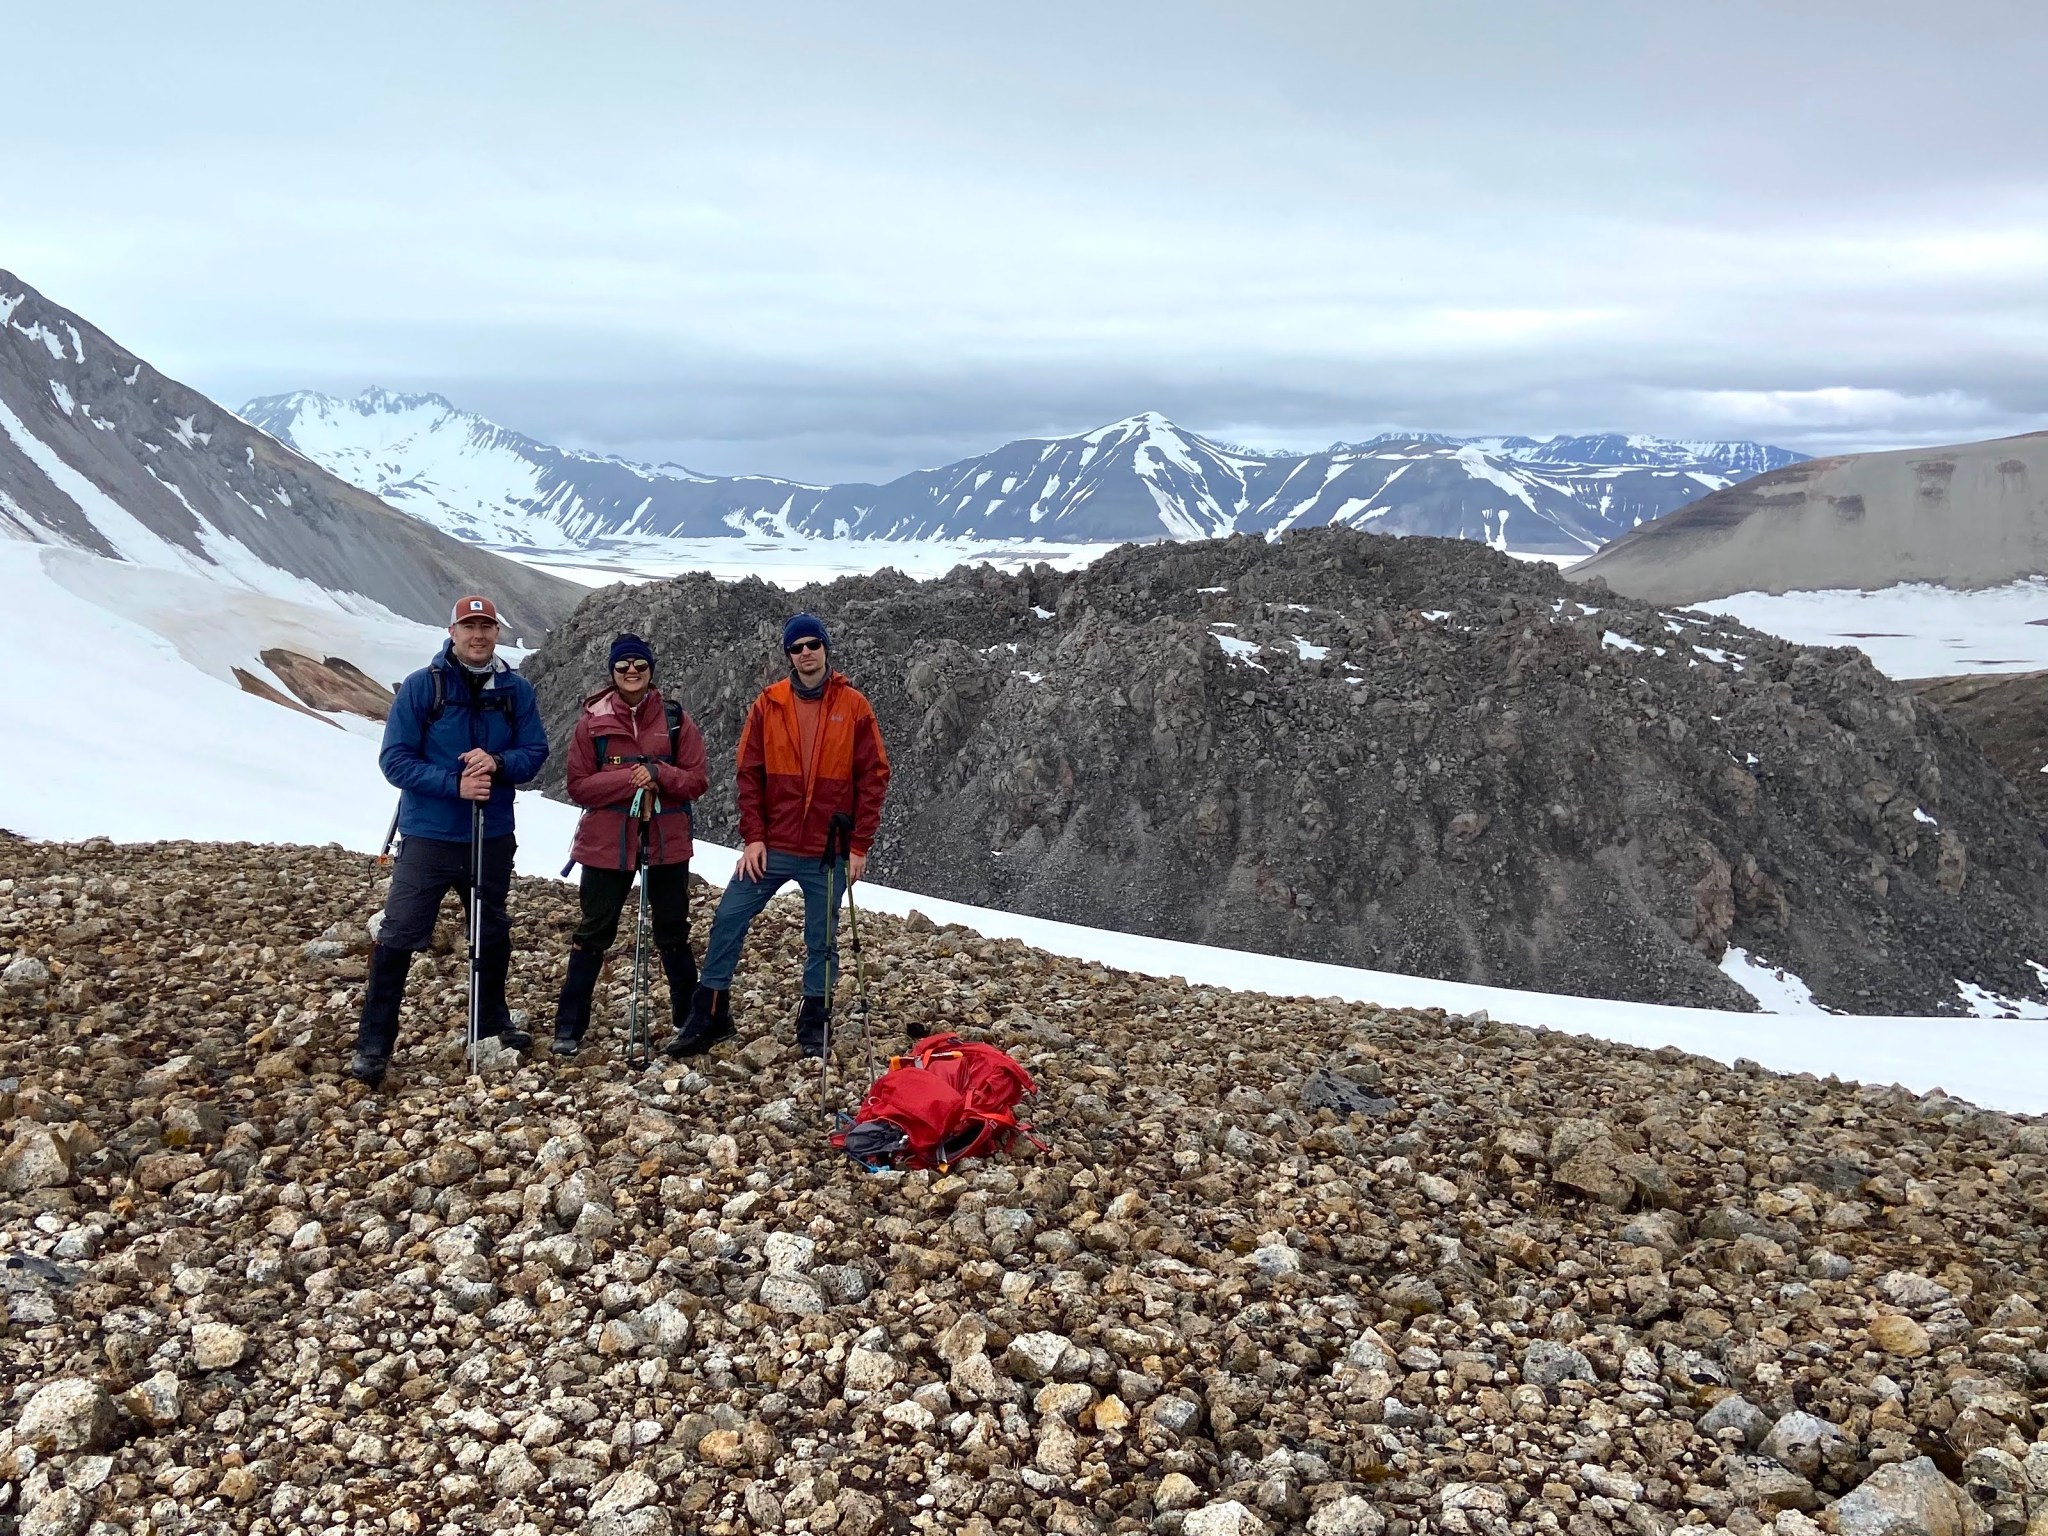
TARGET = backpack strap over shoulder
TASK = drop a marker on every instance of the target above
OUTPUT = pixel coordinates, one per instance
(435, 710)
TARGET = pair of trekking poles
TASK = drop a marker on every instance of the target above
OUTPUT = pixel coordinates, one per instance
(475, 905)
(639, 1050)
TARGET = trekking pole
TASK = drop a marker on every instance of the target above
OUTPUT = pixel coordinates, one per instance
(836, 832)
(639, 1050)
(842, 828)
(860, 983)
(390, 836)
(476, 926)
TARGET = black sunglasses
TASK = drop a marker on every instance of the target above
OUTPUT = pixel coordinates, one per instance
(803, 645)
(629, 666)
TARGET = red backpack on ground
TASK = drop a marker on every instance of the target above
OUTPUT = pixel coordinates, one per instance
(948, 1100)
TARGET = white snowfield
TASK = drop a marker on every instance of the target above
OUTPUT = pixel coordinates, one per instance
(1914, 629)
(798, 560)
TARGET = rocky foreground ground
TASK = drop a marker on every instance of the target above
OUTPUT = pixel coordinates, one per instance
(1290, 1264)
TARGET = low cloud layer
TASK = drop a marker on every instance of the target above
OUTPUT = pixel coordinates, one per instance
(837, 243)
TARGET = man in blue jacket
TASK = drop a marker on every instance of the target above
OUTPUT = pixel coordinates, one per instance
(463, 729)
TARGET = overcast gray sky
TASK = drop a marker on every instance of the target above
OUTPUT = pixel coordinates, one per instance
(838, 241)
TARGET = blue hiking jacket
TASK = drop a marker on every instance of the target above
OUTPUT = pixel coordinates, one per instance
(504, 720)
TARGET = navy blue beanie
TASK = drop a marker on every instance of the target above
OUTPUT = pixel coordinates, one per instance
(805, 626)
(627, 646)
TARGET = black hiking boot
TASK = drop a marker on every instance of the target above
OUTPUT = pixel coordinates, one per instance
(708, 1022)
(813, 1026)
(572, 1011)
(377, 1031)
(680, 965)
(494, 1018)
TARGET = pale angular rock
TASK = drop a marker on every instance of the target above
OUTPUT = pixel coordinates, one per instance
(793, 1295)
(1039, 1356)
(1910, 1289)
(789, 1253)
(967, 1336)
(60, 1512)
(1276, 1260)
(35, 1159)
(511, 1470)
(1761, 1481)
(1805, 1442)
(630, 1490)
(666, 1327)
(218, 1346)
(1736, 1412)
(71, 1414)
(1474, 1498)
(1176, 1491)
(155, 1401)
(1546, 1363)
(1059, 1450)
(1909, 1498)
(1228, 1518)
(763, 1508)
(870, 1370)
(1352, 1515)
(1063, 1399)
(1897, 1334)
(637, 1522)
(911, 1414)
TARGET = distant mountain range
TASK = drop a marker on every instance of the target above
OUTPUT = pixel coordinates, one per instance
(1141, 478)
(102, 454)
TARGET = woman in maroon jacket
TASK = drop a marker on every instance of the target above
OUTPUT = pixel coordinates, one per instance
(628, 741)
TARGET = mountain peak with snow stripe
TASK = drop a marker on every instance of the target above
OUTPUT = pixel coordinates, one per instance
(1140, 477)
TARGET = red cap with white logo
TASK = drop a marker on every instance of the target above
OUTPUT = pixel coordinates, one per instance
(474, 608)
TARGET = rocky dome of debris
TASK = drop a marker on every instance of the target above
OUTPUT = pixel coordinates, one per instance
(1416, 755)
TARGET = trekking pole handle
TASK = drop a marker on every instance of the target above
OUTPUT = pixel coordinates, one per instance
(838, 838)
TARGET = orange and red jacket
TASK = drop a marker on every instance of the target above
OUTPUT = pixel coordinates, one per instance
(788, 803)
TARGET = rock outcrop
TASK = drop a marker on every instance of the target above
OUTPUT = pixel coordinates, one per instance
(1411, 754)
(557, 1298)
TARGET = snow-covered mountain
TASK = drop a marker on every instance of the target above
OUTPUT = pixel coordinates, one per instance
(1615, 450)
(1137, 479)
(101, 454)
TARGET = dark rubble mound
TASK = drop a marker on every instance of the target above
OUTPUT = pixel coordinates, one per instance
(1537, 1283)
(1411, 754)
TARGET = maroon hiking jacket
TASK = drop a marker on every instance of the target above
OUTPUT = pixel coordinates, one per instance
(606, 837)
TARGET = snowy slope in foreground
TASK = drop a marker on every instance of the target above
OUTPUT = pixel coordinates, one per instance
(187, 756)
(108, 727)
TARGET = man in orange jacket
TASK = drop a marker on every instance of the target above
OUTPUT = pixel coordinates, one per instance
(811, 750)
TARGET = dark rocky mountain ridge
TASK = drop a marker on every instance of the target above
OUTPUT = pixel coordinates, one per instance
(1412, 754)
